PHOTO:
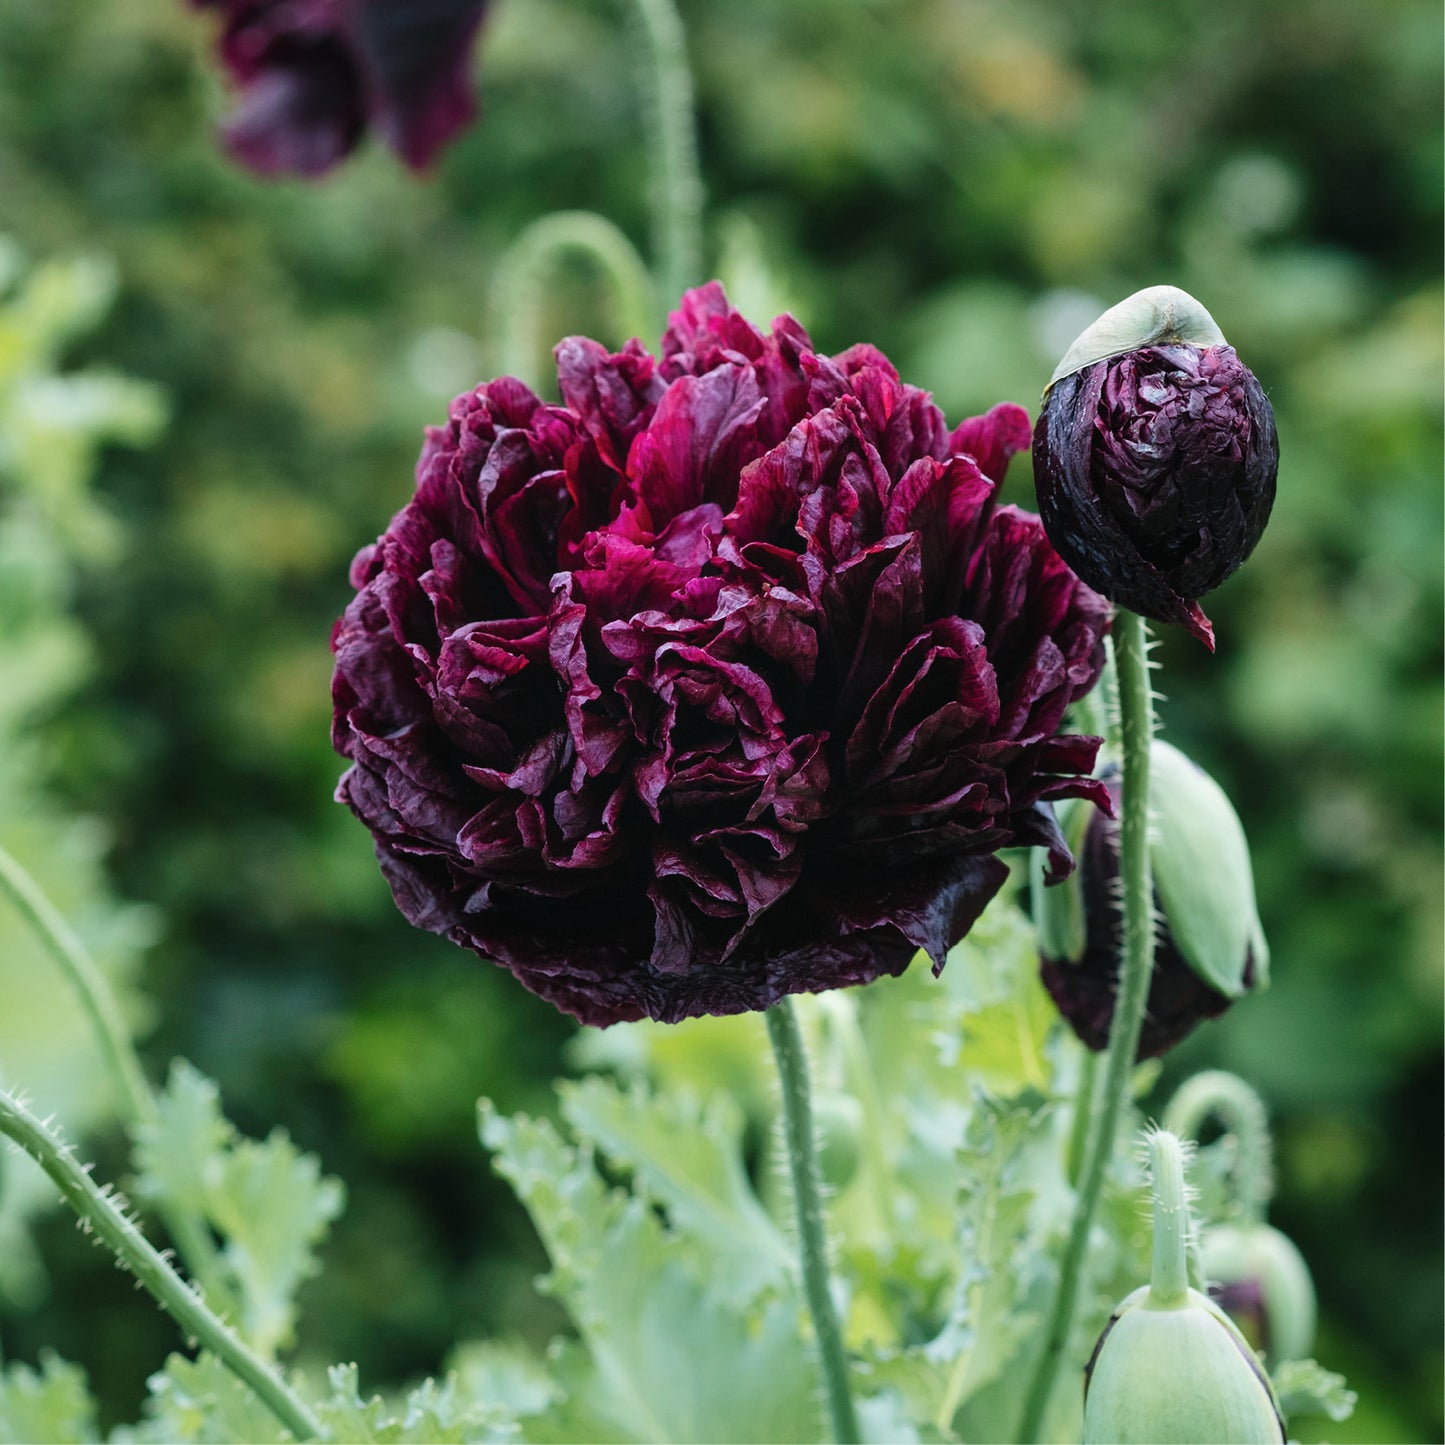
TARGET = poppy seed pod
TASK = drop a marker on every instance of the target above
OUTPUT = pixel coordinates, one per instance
(1210, 948)
(1260, 1279)
(1170, 1367)
(1155, 457)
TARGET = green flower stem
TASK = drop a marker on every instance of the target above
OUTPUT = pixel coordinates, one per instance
(529, 268)
(677, 193)
(137, 1100)
(787, 1044)
(1242, 1112)
(1169, 1279)
(100, 1213)
(1136, 723)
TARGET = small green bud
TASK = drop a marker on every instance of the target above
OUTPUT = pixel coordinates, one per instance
(1260, 1279)
(1170, 1367)
(1211, 949)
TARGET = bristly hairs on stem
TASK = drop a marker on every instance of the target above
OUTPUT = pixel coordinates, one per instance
(792, 1066)
(675, 177)
(118, 1229)
(1240, 1109)
(1136, 729)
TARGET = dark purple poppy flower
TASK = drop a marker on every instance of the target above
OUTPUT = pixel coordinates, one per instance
(1209, 947)
(721, 680)
(315, 74)
(1155, 470)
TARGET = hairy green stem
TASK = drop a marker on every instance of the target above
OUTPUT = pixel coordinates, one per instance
(137, 1100)
(1169, 1278)
(92, 989)
(1242, 1113)
(101, 1214)
(530, 267)
(1136, 723)
(676, 178)
(787, 1044)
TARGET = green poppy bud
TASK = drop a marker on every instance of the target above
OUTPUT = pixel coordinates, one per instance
(1170, 1367)
(1211, 948)
(1260, 1279)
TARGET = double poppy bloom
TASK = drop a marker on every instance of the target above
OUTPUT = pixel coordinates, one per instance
(315, 75)
(724, 679)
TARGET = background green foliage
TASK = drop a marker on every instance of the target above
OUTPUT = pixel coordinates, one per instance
(964, 183)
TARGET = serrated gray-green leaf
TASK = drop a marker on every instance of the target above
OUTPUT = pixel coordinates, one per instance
(51, 1406)
(670, 1355)
(267, 1200)
(200, 1402)
(434, 1413)
(1307, 1388)
(688, 1158)
(503, 1374)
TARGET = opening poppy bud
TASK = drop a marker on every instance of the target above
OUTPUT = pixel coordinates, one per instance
(1155, 457)
(1261, 1281)
(1170, 1366)
(1210, 947)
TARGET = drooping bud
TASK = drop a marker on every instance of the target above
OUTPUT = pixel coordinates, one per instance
(1170, 1367)
(1210, 949)
(1261, 1281)
(1155, 457)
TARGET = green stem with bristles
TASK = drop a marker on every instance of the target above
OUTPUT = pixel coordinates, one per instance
(676, 178)
(1169, 1279)
(1243, 1115)
(100, 1213)
(1136, 726)
(792, 1063)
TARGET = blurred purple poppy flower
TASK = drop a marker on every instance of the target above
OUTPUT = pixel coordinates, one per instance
(313, 75)
(722, 680)
(1155, 466)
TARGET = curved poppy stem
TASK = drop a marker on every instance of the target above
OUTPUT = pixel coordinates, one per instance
(530, 268)
(136, 1099)
(1242, 1112)
(99, 1213)
(1136, 723)
(676, 179)
(792, 1063)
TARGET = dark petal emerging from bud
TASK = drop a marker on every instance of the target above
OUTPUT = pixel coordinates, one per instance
(1209, 949)
(1259, 1278)
(313, 75)
(1155, 473)
(721, 680)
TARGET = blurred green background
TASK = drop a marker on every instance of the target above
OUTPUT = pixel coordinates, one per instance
(964, 183)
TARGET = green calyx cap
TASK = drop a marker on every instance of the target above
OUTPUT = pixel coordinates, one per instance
(1203, 875)
(1155, 316)
(1177, 1376)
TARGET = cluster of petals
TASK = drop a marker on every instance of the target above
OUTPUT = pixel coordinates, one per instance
(315, 75)
(724, 679)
